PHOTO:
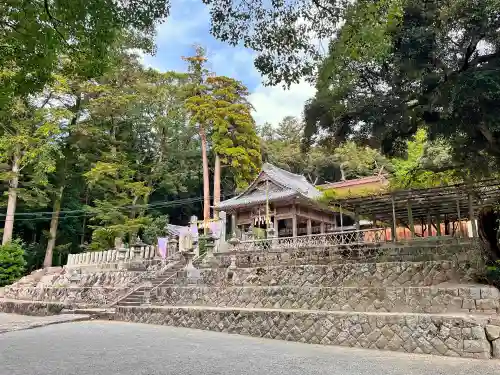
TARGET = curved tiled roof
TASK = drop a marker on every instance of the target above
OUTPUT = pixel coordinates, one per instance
(290, 185)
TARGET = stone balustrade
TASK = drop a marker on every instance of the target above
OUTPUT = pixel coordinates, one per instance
(134, 253)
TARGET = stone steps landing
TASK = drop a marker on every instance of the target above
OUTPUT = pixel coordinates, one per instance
(442, 299)
(457, 335)
(346, 274)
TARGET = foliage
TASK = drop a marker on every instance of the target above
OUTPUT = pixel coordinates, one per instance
(286, 35)
(415, 171)
(12, 262)
(233, 131)
(34, 34)
(156, 228)
(398, 65)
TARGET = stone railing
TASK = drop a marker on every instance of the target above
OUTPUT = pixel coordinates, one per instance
(134, 253)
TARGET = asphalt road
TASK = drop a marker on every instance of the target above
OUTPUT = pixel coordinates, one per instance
(105, 348)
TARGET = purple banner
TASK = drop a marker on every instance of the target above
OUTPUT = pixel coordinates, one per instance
(162, 246)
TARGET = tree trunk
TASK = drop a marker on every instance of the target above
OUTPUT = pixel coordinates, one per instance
(216, 186)
(11, 202)
(206, 177)
(54, 222)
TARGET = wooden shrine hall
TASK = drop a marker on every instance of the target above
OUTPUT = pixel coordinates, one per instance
(284, 201)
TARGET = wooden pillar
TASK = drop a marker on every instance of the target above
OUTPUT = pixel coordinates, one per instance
(472, 217)
(429, 224)
(294, 221)
(438, 224)
(275, 223)
(322, 227)
(459, 218)
(410, 219)
(341, 220)
(374, 221)
(394, 225)
(356, 218)
(309, 226)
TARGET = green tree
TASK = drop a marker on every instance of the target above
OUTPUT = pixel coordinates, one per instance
(34, 34)
(233, 132)
(399, 65)
(28, 140)
(12, 262)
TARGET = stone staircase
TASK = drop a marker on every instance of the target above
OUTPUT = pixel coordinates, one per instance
(410, 305)
(167, 278)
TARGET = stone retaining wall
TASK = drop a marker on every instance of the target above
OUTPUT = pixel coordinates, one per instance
(347, 274)
(31, 307)
(82, 296)
(419, 251)
(459, 336)
(410, 299)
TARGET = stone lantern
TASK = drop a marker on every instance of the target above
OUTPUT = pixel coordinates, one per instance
(122, 251)
(138, 248)
(192, 273)
(209, 258)
(147, 285)
(74, 281)
(234, 242)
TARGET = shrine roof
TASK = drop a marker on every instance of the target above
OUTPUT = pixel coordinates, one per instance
(285, 185)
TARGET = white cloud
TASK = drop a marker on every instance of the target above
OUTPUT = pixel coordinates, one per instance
(273, 103)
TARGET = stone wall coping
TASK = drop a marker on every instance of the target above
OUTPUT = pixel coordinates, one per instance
(480, 318)
(25, 301)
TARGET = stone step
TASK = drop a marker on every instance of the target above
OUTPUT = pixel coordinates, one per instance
(435, 299)
(346, 274)
(457, 335)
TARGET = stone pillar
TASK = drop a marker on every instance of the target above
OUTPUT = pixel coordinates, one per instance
(92, 257)
(322, 227)
(356, 218)
(223, 221)
(79, 259)
(143, 252)
(233, 225)
(209, 258)
(309, 227)
(68, 262)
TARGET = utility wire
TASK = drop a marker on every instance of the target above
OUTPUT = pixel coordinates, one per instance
(30, 216)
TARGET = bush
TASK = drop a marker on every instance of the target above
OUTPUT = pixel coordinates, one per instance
(493, 274)
(12, 262)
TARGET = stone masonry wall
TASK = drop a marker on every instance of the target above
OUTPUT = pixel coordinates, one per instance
(346, 274)
(419, 251)
(83, 296)
(459, 336)
(409, 299)
(31, 308)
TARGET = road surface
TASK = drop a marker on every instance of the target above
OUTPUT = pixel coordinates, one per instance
(115, 348)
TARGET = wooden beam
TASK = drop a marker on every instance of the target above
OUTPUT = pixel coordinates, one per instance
(394, 225)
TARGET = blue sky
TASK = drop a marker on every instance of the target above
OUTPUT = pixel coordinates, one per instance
(189, 24)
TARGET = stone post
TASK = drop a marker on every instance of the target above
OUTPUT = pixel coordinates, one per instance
(223, 220)
(138, 248)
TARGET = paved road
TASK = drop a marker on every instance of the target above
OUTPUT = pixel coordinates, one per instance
(109, 348)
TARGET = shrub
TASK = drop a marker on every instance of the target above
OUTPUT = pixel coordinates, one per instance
(12, 262)
(493, 274)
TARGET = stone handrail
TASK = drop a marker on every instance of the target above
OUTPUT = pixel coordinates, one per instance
(136, 282)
